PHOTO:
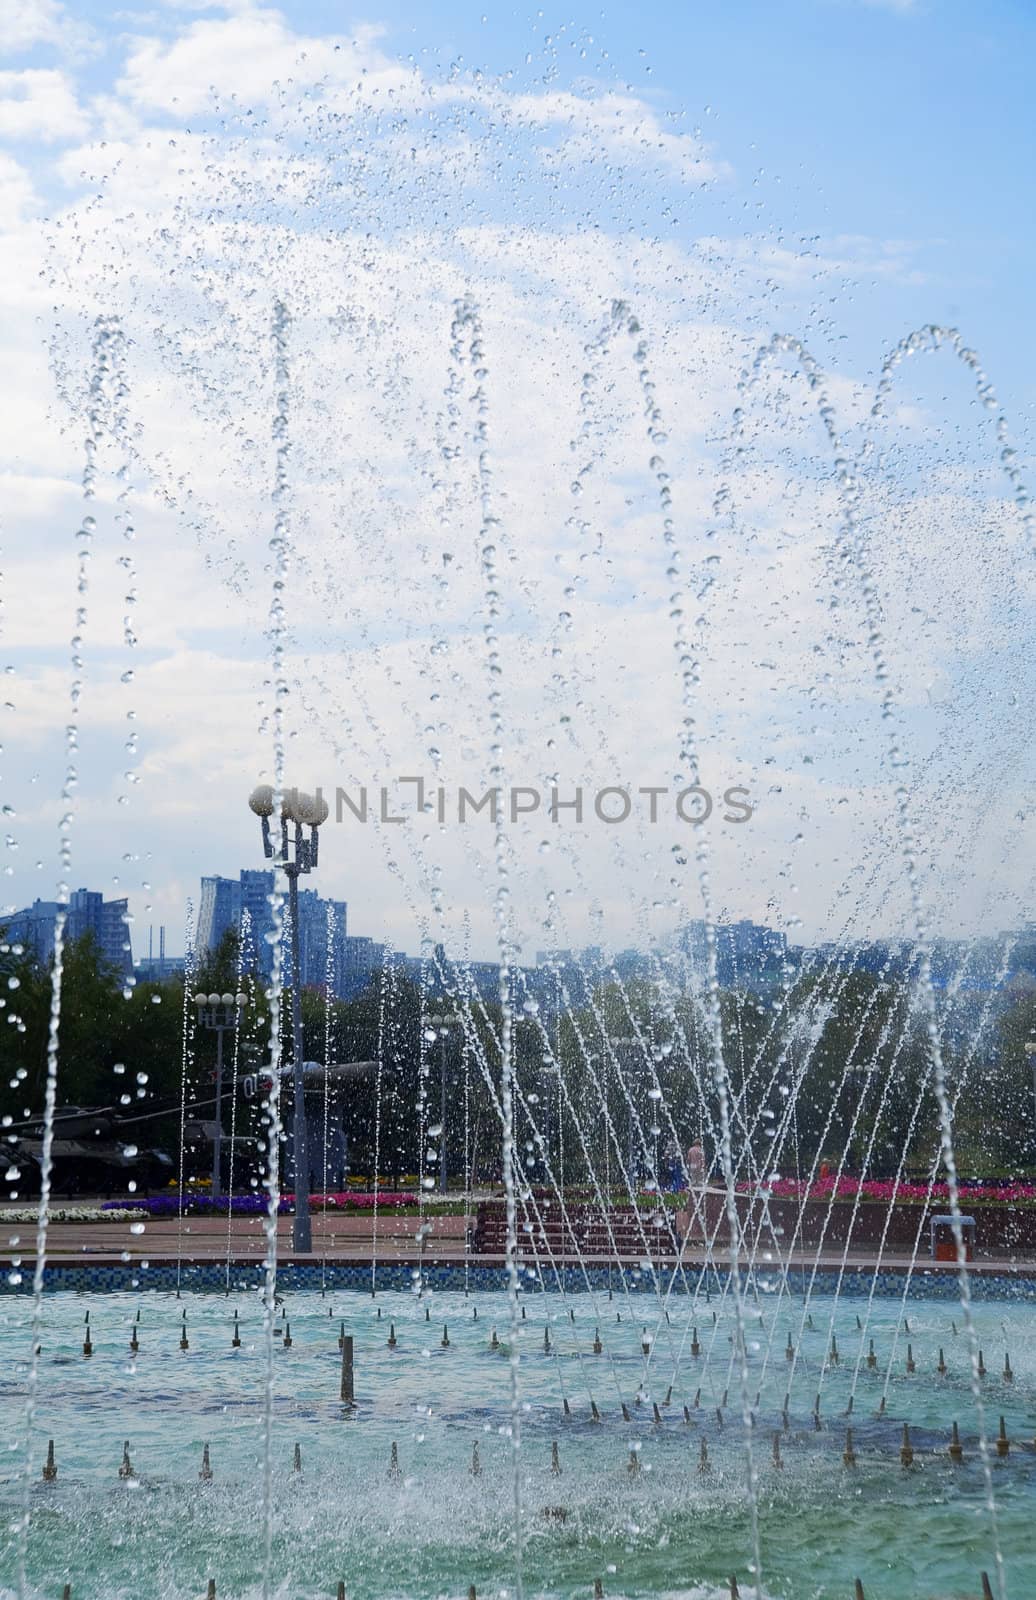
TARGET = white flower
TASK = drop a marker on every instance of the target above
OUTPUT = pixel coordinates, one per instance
(71, 1214)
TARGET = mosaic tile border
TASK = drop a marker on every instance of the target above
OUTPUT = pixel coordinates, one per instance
(204, 1277)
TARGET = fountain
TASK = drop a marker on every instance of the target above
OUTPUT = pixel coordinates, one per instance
(659, 1306)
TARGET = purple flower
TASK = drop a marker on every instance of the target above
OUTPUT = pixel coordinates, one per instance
(255, 1205)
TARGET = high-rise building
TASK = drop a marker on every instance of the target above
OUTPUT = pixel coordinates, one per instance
(256, 885)
(219, 909)
(88, 912)
(313, 940)
(746, 952)
(361, 959)
(223, 902)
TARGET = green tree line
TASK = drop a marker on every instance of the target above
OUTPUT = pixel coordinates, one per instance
(836, 1069)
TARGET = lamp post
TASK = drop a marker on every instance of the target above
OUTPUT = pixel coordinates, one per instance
(442, 1025)
(538, 1097)
(1030, 1051)
(558, 1003)
(219, 1013)
(628, 1045)
(296, 854)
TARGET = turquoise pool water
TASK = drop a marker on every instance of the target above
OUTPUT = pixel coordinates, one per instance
(923, 1534)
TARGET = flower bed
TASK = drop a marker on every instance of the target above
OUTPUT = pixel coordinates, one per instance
(884, 1189)
(255, 1205)
(112, 1211)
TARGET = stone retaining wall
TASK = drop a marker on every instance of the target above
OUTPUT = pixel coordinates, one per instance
(1000, 1230)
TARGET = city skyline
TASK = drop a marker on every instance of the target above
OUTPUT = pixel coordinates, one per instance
(746, 953)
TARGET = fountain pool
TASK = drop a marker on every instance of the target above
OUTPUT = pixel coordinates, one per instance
(667, 1528)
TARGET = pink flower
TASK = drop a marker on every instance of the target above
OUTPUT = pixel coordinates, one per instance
(886, 1189)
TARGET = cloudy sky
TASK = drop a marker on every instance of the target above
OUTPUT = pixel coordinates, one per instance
(556, 503)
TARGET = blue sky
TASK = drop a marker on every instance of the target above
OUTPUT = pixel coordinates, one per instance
(897, 119)
(843, 170)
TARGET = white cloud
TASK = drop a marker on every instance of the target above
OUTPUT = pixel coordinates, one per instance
(845, 257)
(252, 56)
(16, 192)
(614, 127)
(25, 24)
(40, 104)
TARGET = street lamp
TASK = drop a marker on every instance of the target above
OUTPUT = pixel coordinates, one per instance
(1030, 1051)
(442, 1025)
(539, 1096)
(296, 854)
(629, 1045)
(219, 1013)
